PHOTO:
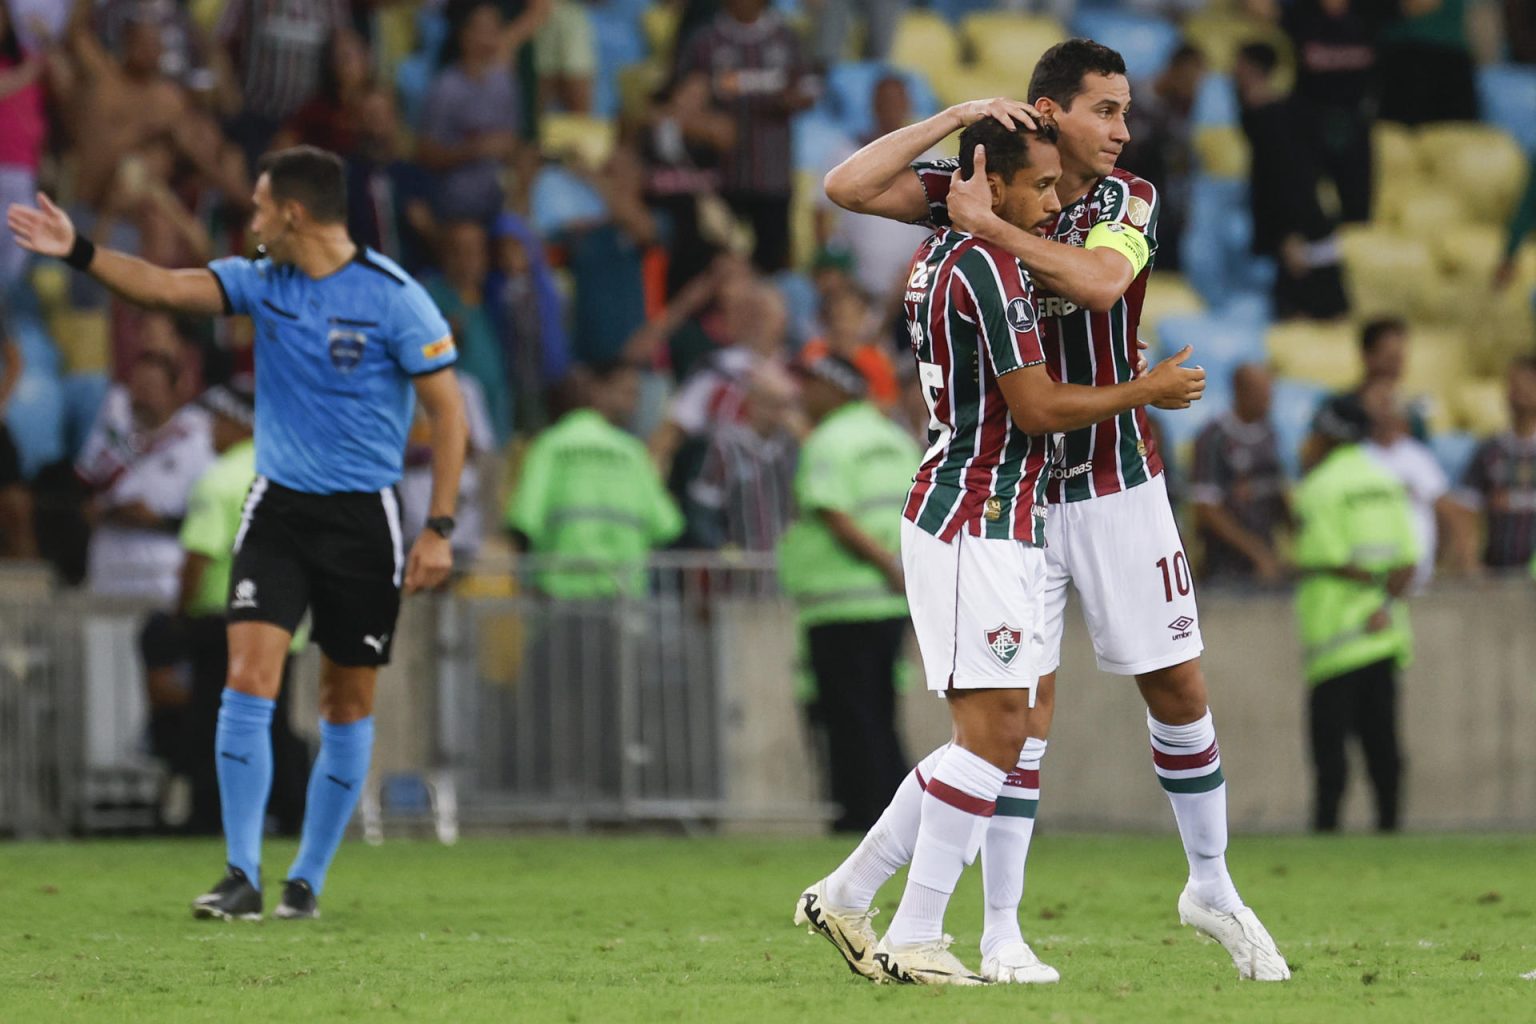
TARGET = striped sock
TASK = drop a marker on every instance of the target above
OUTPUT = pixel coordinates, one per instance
(1188, 765)
(960, 799)
(887, 847)
(1005, 850)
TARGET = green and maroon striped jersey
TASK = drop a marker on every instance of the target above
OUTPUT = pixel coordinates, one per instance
(1084, 347)
(971, 316)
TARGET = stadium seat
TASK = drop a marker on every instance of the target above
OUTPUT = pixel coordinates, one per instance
(35, 416)
(586, 140)
(817, 138)
(1421, 208)
(802, 218)
(1220, 34)
(1323, 355)
(83, 394)
(1480, 406)
(801, 300)
(956, 11)
(1221, 345)
(1009, 44)
(1438, 365)
(1146, 42)
(38, 352)
(84, 339)
(925, 42)
(1394, 149)
(636, 84)
(659, 22)
(850, 90)
(1469, 251)
(1487, 165)
(1215, 102)
(561, 199)
(1222, 151)
(1168, 295)
(619, 43)
(1293, 406)
(1453, 450)
(1508, 93)
(971, 82)
(1386, 273)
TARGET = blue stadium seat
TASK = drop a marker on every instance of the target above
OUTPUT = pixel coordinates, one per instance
(414, 75)
(35, 416)
(561, 199)
(1453, 449)
(38, 352)
(955, 11)
(800, 300)
(1508, 93)
(83, 394)
(1295, 403)
(1221, 344)
(850, 89)
(1215, 102)
(817, 136)
(1144, 41)
(620, 42)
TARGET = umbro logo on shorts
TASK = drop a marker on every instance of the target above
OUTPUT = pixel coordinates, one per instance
(1180, 627)
(245, 594)
(1003, 642)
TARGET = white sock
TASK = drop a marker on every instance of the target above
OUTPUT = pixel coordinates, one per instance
(1005, 850)
(887, 847)
(1188, 765)
(959, 801)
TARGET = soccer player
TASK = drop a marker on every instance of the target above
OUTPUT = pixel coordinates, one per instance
(1110, 532)
(343, 336)
(971, 538)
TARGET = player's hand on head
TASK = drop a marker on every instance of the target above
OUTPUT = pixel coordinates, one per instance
(1011, 113)
(429, 563)
(1178, 386)
(970, 199)
(44, 229)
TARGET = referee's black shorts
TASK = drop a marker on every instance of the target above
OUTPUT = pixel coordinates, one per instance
(341, 556)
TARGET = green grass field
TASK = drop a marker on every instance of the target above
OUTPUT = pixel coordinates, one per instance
(659, 929)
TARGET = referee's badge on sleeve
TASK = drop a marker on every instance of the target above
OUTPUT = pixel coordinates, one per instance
(440, 347)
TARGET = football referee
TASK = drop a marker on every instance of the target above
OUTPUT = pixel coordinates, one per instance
(343, 338)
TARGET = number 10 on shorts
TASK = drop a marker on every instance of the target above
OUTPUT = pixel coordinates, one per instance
(1176, 577)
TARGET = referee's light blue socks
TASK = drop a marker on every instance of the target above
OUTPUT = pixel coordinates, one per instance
(243, 746)
(335, 783)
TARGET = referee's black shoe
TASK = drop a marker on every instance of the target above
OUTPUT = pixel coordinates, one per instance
(234, 898)
(298, 903)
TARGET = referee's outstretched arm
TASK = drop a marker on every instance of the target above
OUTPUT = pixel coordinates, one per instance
(48, 231)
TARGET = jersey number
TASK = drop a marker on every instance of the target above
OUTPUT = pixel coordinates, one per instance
(1179, 577)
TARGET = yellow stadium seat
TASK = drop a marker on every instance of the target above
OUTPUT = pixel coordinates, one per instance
(1386, 273)
(1010, 43)
(1395, 151)
(587, 140)
(1470, 251)
(1480, 406)
(1483, 164)
(1168, 294)
(1326, 354)
(1423, 211)
(957, 85)
(1437, 364)
(637, 83)
(925, 42)
(660, 25)
(802, 219)
(1222, 151)
(1220, 35)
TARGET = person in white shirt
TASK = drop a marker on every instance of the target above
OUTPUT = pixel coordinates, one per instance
(140, 461)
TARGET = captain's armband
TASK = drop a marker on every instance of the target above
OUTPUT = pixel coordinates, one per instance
(1122, 238)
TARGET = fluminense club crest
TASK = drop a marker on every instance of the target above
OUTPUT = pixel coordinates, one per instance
(1003, 641)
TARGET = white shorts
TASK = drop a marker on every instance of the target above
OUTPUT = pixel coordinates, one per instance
(978, 607)
(1123, 554)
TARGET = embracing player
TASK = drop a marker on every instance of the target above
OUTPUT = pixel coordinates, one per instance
(972, 531)
(1110, 532)
(343, 337)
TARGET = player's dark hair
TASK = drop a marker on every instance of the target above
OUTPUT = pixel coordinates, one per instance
(314, 178)
(1060, 71)
(1262, 56)
(1375, 330)
(162, 361)
(1184, 52)
(605, 370)
(1007, 149)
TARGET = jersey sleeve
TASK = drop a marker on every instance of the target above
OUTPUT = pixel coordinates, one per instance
(934, 176)
(996, 293)
(418, 336)
(241, 282)
(205, 530)
(1127, 223)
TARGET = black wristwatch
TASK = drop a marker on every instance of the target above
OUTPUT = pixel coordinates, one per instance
(441, 525)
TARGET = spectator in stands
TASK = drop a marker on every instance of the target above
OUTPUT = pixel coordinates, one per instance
(1162, 143)
(1356, 550)
(1335, 46)
(1438, 525)
(329, 118)
(741, 497)
(183, 56)
(416, 482)
(565, 53)
(278, 51)
(682, 141)
(531, 313)
(1384, 355)
(756, 71)
(460, 292)
(194, 644)
(140, 461)
(841, 564)
(588, 492)
(850, 331)
(1238, 486)
(389, 197)
(834, 20)
(23, 130)
(1500, 481)
(17, 537)
(1426, 64)
(472, 118)
(1289, 224)
(881, 249)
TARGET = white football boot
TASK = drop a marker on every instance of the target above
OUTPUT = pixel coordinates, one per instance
(849, 931)
(924, 963)
(1253, 951)
(1017, 964)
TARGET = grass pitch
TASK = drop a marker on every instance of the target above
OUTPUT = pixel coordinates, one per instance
(643, 929)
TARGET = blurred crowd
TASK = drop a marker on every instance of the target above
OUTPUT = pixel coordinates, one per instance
(617, 206)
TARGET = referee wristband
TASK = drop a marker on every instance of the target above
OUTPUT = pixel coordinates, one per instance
(81, 253)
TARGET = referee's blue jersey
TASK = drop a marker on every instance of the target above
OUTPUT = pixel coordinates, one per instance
(334, 362)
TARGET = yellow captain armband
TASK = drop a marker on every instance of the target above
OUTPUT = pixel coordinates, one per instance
(1122, 238)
